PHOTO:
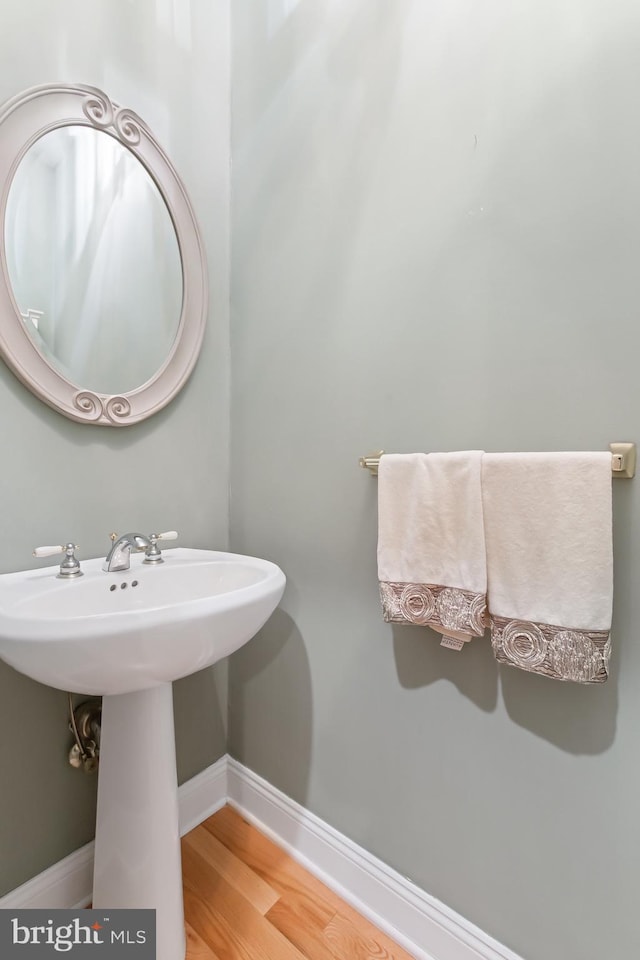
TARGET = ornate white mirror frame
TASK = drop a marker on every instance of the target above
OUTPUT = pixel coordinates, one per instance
(23, 120)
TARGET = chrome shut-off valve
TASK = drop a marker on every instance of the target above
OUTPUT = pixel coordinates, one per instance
(84, 723)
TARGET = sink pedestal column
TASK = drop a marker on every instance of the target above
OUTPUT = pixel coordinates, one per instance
(137, 848)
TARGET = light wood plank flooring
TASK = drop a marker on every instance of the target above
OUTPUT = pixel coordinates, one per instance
(245, 899)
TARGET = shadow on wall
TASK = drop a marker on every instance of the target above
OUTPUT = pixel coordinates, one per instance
(278, 711)
(421, 661)
(199, 706)
(578, 718)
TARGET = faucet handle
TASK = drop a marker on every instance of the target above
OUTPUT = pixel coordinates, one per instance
(153, 554)
(49, 551)
(69, 567)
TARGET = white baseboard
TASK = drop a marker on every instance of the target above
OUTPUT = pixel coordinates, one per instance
(422, 925)
(68, 883)
(65, 884)
(201, 796)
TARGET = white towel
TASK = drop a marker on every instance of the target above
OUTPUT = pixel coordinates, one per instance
(548, 532)
(431, 553)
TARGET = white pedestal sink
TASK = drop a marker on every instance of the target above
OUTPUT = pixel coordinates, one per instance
(137, 848)
(126, 636)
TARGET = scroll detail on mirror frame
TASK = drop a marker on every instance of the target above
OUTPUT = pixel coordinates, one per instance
(100, 409)
(24, 120)
(103, 113)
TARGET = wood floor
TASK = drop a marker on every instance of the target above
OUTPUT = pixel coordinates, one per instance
(245, 899)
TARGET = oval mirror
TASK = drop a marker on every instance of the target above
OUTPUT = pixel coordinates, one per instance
(103, 295)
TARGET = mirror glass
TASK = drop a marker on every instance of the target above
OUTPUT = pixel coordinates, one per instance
(103, 274)
(93, 259)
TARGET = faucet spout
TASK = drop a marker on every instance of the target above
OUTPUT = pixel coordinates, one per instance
(119, 556)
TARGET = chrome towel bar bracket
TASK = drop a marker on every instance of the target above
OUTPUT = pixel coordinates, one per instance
(623, 460)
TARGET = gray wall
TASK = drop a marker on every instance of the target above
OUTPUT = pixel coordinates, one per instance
(435, 247)
(60, 480)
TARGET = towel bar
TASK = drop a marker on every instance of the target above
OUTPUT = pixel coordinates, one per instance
(623, 460)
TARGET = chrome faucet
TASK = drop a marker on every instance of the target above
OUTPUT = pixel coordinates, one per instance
(119, 556)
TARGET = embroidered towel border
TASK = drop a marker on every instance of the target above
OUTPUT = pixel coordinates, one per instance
(578, 655)
(581, 656)
(432, 605)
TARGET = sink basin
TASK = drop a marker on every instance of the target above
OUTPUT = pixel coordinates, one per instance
(113, 633)
(127, 636)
